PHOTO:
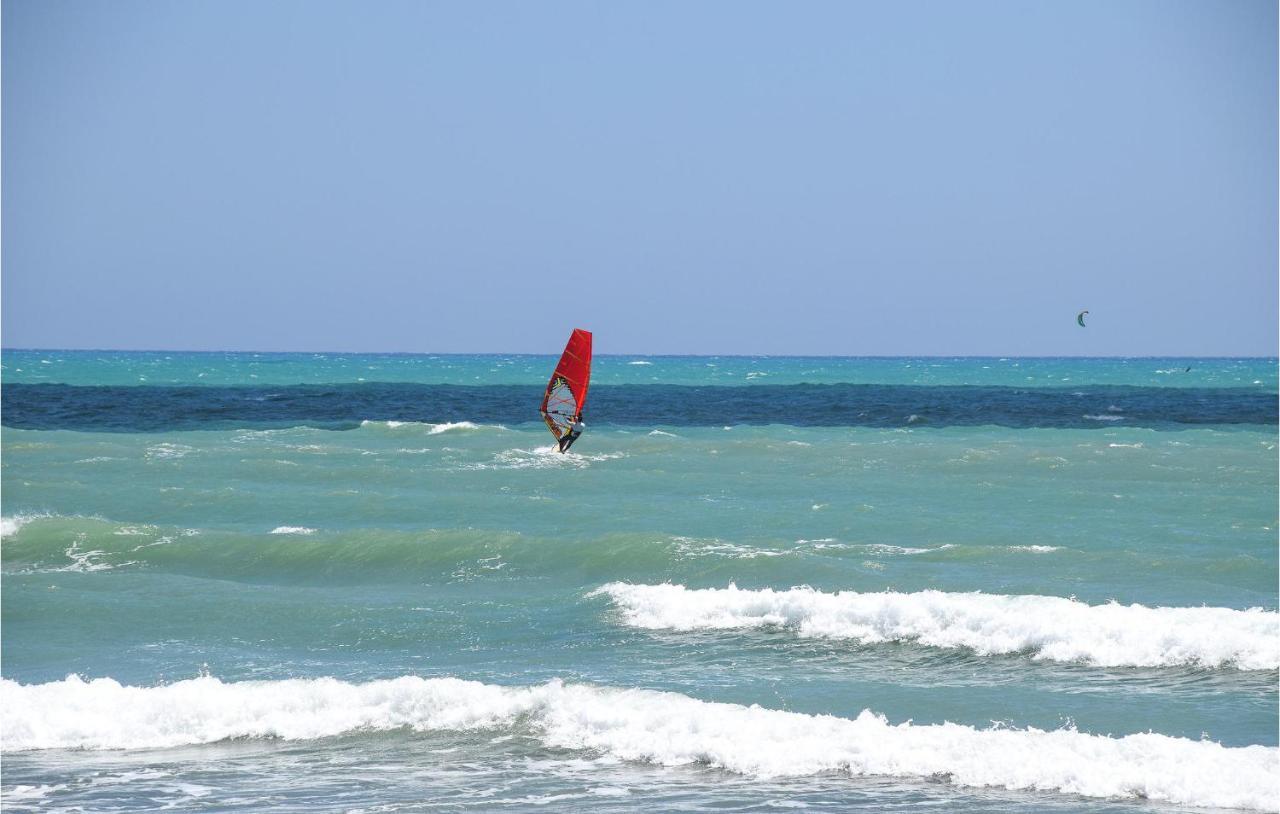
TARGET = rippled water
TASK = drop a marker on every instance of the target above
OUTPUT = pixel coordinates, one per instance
(359, 600)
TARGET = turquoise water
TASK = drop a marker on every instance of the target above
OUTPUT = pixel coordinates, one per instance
(405, 615)
(217, 368)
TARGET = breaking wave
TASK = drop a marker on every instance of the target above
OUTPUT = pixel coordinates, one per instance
(9, 526)
(640, 725)
(1047, 627)
(432, 429)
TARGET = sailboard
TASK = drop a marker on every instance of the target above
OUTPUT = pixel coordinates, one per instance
(567, 390)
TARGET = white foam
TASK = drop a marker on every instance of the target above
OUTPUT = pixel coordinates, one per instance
(22, 793)
(609, 791)
(167, 451)
(693, 547)
(548, 457)
(869, 548)
(1049, 627)
(1104, 417)
(639, 362)
(451, 426)
(640, 725)
(884, 548)
(292, 530)
(86, 562)
(432, 429)
(1039, 549)
(9, 526)
(663, 433)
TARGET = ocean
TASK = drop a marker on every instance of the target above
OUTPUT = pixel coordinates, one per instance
(368, 583)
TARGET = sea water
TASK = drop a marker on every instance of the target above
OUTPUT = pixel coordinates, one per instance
(340, 582)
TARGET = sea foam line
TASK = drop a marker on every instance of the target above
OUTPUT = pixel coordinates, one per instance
(1051, 628)
(641, 725)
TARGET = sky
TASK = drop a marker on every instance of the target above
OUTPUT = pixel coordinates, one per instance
(844, 178)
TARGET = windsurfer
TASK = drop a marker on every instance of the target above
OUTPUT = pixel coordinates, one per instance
(573, 433)
(567, 391)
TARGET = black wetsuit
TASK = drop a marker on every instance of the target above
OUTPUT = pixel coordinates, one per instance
(571, 436)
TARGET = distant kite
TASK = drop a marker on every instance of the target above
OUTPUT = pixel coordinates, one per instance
(1080, 318)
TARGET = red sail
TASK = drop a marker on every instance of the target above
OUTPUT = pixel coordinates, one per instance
(567, 390)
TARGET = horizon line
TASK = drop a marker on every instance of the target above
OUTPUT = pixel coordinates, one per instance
(621, 355)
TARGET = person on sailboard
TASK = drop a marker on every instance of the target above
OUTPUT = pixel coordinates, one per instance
(573, 433)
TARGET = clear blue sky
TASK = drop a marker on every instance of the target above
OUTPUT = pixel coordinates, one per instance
(708, 177)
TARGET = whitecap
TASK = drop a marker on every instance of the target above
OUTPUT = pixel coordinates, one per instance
(453, 426)
(167, 451)
(432, 429)
(9, 526)
(692, 547)
(1048, 627)
(662, 728)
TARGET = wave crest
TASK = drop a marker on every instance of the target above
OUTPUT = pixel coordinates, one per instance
(640, 725)
(432, 429)
(1049, 627)
(9, 526)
